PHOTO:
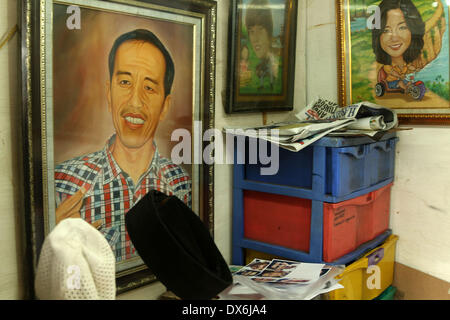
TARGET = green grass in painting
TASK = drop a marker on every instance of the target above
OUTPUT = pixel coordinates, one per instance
(439, 87)
(362, 60)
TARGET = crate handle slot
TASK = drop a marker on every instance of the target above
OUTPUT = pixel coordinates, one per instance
(357, 152)
(375, 257)
(387, 145)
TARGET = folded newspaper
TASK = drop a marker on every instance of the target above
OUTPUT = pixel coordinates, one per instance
(282, 279)
(321, 118)
(371, 119)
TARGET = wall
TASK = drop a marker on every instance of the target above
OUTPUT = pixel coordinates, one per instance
(420, 212)
(11, 213)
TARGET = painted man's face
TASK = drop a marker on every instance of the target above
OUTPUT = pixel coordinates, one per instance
(396, 36)
(136, 93)
(260, 40)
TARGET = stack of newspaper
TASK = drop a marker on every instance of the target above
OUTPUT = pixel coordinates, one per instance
(323, 117)
(282, 279)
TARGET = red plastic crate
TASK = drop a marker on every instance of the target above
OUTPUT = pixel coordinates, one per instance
(277, 219)
(348, 224)
(285, 221)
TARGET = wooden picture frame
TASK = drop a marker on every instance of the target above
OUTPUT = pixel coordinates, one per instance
(411, 78)
(261, 62)
(67, 112)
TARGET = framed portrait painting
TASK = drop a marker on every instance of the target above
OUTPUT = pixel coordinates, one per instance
(106, 87)
(261, 55)
(396, 54)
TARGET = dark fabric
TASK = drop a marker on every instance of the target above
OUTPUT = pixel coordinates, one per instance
(175, 244)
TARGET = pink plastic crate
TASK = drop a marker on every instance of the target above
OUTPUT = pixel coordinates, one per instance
(286, 221)
(348, 224)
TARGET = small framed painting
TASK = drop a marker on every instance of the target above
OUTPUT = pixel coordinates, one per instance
(261, 55)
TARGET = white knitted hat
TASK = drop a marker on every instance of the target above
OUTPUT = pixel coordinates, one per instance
(76, 263)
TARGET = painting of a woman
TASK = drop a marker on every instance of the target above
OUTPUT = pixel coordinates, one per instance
(399, 41)
(398, 54)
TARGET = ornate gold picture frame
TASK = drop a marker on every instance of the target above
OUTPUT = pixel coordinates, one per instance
(396, 56)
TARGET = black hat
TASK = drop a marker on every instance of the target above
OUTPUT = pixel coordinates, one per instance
(177, 247)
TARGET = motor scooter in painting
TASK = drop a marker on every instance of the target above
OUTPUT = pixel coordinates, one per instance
(416, 89)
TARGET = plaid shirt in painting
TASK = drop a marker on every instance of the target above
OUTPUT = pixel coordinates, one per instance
(111, 191)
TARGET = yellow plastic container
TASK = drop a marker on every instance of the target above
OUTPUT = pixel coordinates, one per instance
(368, 277)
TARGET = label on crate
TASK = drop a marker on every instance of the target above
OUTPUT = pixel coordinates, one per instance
(340, 217)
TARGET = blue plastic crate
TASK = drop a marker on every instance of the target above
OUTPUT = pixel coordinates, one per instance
(333, 169)
(359, 167)
(289, 171)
